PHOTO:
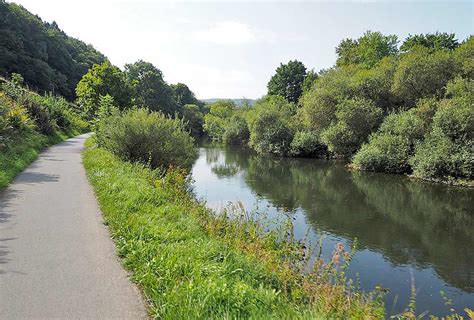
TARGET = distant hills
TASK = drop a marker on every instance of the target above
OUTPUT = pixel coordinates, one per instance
(238, 102)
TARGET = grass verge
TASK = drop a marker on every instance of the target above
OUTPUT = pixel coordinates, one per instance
(192, 263)
(22, 150)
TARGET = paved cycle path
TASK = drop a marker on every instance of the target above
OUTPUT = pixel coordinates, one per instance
(56, 257)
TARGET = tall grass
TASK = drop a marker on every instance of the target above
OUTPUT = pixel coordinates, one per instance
(193, 263)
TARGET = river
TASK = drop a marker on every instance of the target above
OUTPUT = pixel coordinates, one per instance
(406, 230)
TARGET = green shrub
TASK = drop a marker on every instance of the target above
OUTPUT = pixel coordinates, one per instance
(356, 119)
(147, 137)
(390, 148)
(384, 153)
(439, 158)
(448, 151)
(237, 131)
(307, 144)
(319, 103)
(270, 134)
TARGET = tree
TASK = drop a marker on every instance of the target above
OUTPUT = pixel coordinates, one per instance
(216, 121)
(309, 80)
(47, 58)
(421, 73)
(193, 119)
(149, 87)
(368, 50)
(269, 133)
(464, 56)
(103, 79)
(318, 108)
(183, 95)
(288, 81)
(433, 41)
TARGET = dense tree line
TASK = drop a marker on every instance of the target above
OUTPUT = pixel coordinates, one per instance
(383, 107)
(47, 58)
(141, 84)
(50, 61)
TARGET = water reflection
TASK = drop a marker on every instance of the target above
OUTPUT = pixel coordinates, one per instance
(399, 223)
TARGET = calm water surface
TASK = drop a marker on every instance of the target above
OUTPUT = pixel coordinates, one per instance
(405, 229)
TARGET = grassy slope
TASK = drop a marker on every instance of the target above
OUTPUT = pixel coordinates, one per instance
(190, 265)
(23, 150)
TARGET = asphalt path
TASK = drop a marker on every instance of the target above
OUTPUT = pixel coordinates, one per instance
(57, 260)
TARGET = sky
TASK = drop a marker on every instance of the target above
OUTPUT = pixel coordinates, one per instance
(231, 49)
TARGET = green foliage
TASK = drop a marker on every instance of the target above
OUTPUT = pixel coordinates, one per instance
(433, 41)
(47, 58)
(421, 73)
(216, 121)
(355, 120)
(464, 56)
(319, 103)
(375, 84)
(391, 147)
(367, 50)
(101, 80)
(269, 133)
(236, 131)
(151, 138)
(448, 152)
(307, 144)
(309, 80)
(149, 88)
(434, 140)
(183, 95)
(193, 119)
(288, 81)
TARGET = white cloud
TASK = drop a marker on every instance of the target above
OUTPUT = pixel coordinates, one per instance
(227, 33)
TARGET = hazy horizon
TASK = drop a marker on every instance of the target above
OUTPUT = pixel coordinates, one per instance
(230, 50)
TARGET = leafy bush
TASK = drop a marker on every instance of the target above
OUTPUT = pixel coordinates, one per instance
(269, 133)
(139, 135)
(390, 148)
(216, 120)
(355, 120)
(385, 153)
(307, 144)
(448, 151)
(237, 131)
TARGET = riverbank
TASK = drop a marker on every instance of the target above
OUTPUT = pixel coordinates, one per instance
(191, 263)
